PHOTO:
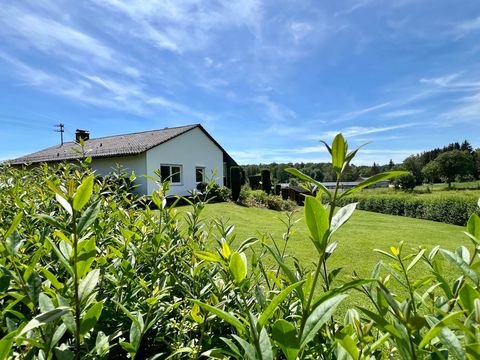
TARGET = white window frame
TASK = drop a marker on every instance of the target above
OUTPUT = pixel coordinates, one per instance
(203, 174)
(170, 166)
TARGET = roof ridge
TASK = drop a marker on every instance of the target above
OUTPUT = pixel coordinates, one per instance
(138, 132)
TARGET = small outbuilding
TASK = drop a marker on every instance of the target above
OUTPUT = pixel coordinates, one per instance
(186, 155)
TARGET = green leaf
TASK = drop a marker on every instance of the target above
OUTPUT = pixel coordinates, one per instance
(276, 301)
(136, 331)
(45, 303)
(14, 243)
(342, 216)
(63, 353)
(339, 151)
(16, 221)
(44, 318)
(60, 256)
(52, 278)
(91, 317)
(249, 349)
(101, 344)
(208, 256)
(318, 317)
(437, 328)
(265, 345)
(50, 220)
(83, 193)
(65, 204)
(88, 217)
(461, 264)
(67, 318)
(467, 297)
(87, 252)
(373, 180)
(285, 334)
(6, 345)
(88, 284)
(473, 225)
(416, 259)
(316, 218)
(346, 342)
(196, 314)
(229, 318)
(238, 267)
(297, 173)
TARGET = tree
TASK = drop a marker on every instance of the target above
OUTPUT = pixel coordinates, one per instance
(431, 172)
(413, 164)
(405, 182)
(454, 163)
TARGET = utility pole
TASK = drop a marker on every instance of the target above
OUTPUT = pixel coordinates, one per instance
(61, 130)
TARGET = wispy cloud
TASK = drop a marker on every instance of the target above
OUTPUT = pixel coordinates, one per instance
(353, 131)
(402, 113)
(468, 26)
(358, 113)
(274, 110)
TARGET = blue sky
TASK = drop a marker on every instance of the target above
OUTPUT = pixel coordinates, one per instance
(268, 79)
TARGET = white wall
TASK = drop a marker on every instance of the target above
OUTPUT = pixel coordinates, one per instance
(191, 149)
(136, 163)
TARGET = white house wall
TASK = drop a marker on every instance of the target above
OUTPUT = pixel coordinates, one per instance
(190, 150)
(136, 163)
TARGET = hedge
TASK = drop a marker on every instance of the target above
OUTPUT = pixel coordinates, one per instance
(451, 209)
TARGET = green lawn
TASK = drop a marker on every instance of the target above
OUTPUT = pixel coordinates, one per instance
(469, 185)
(356, 240)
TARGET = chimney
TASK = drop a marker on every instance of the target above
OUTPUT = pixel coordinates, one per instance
(82, 134)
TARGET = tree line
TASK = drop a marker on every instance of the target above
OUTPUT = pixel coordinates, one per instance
(454, 162)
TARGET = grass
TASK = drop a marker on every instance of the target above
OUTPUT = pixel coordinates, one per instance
(357, 240)
(469, 185)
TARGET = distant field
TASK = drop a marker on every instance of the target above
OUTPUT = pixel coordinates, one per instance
(470, 185)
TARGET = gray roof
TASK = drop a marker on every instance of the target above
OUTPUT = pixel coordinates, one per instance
(109, 146)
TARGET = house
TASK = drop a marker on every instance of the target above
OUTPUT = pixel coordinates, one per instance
(187, 155)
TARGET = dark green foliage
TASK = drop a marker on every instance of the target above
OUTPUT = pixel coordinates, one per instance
(405, 182)
(260, 199)
(450, 209)
(236, 180)
(254, 182)
(266, 181)
(453, 164)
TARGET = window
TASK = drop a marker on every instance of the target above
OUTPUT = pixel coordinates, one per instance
(199, 174)
(172, 173)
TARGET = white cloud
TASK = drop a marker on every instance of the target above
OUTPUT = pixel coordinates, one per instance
(357, 113)
(275, 110)
(441, 81)
(51, 36)
(402, 113)
(184, 25)
(468, 26)
(300, 30)
(354, 131)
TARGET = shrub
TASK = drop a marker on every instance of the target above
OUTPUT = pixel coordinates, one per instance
(254, 182)
(260, 199)
(450, 209)
(236, 180)
(266, 181)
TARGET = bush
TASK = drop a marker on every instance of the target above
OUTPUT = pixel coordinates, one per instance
(260, 199)
(236, 181)
(215, 193)
(450, 209)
